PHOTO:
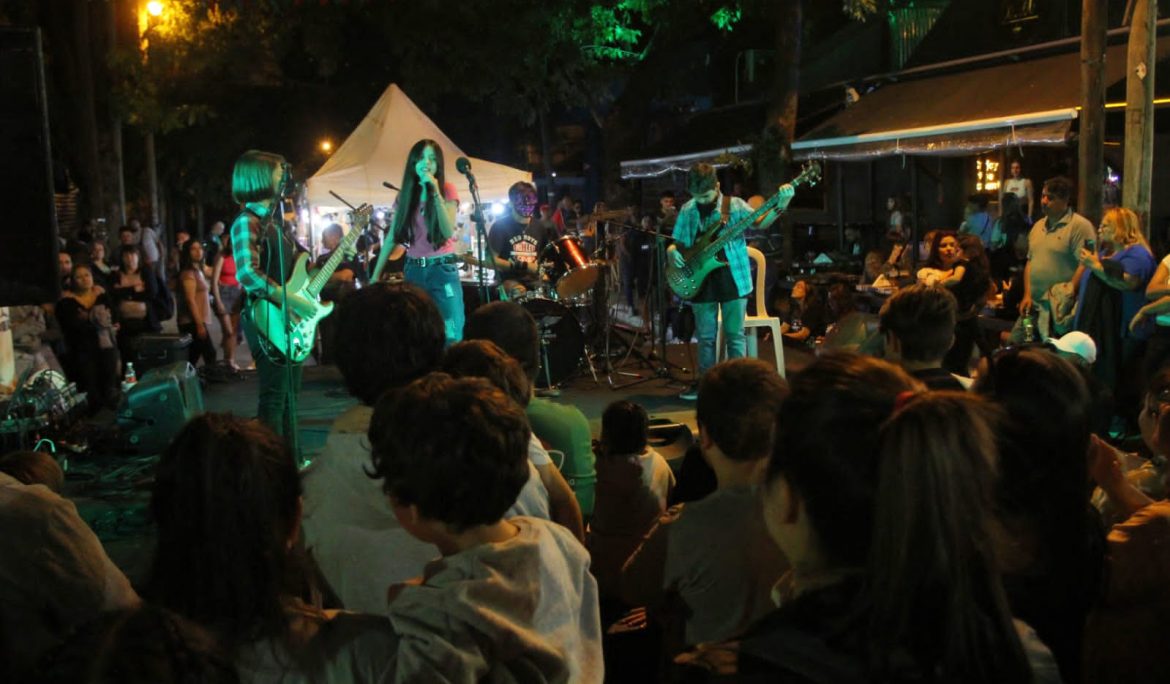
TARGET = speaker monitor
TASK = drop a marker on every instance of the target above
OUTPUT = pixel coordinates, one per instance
(28, 233)
(158, 406)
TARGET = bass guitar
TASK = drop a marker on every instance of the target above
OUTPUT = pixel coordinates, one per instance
(292, 340)
(701, 258)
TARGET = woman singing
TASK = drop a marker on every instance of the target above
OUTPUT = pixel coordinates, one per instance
(424, 222)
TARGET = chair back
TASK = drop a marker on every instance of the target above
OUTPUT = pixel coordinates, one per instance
(761, 266)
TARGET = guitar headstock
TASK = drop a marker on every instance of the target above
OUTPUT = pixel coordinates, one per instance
(810, 174)
(360, 218)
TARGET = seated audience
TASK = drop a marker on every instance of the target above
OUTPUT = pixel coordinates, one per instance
(850, 327)
(944, 265)
(34, 468)
(511, 599)
(86, 316)
(227, 505)
(54, 573)
(560, 427)
(144, 645)
(714, 556)
(971, 293)
(547, 495)
(633, 485)
(918, 325)
(394, 335)
(1053, 573)
(1125, 635)
(882, 498)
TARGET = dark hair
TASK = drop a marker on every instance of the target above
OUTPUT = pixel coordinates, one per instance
(738, 401)
(466, 474)
(148, 645)
(252, 176)
(511, 327)
(1043, 442)
(1009, 204)
(186, 261)
(334, 229)
(980, 200)
(519, 189)
(402, 225)
(226, 503)
(33, 468)
(393, 334)
(934, 260)
(1059, 186)
(933, 576)
(130, 249)
(701, 178)
(485, 359)
(825, 446)
(666, 193)
(922, 317)
(624, 428)
(842, 300)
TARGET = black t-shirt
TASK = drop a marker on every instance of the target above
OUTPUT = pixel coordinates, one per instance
(514, 241)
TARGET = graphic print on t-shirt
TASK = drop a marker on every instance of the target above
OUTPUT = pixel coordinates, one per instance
(523, 248)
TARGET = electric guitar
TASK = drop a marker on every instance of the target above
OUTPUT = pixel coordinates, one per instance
(294, 341)
(701, 258)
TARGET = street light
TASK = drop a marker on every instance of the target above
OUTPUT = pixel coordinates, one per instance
(326, 146)
(154, 8)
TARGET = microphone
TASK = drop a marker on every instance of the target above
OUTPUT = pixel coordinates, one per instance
(390, 185)
(463, 166)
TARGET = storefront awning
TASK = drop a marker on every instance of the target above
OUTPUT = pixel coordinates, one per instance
(1022, 103)
(650, 168)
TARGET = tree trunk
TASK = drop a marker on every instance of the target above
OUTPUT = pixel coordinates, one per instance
(66, 24)
(1092, 127)
(774, 153)
(1139, 112)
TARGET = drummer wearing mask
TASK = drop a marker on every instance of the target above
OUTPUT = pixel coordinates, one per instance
(517, 242)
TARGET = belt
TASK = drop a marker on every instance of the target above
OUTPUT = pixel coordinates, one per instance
(431, 261)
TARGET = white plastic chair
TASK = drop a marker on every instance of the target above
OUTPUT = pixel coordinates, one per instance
(760, 320)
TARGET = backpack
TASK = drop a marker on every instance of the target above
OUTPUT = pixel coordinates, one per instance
(162, 304)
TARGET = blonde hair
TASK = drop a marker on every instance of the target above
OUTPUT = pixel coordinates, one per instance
(1127, 227)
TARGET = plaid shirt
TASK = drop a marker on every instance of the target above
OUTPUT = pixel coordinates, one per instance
(687, 227)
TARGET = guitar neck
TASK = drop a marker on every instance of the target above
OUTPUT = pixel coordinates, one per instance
(733, 231)
(319, 279)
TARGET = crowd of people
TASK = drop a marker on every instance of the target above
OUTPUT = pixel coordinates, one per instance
(113, 295)
(867, 520)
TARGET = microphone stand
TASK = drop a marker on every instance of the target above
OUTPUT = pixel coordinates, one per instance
(481, 234)
(294, 440)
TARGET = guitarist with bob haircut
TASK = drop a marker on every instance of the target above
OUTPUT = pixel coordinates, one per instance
(723, 289)
(274, 273)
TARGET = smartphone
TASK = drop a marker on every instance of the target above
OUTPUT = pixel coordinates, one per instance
(1091, 245)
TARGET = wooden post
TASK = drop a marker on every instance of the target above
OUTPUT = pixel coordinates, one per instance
(1139, 112)
(1091, 153)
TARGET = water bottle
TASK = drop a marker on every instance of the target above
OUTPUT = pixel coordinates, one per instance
(129, 379)
(1029, 325)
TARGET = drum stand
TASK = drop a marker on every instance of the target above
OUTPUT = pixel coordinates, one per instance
(661, 366)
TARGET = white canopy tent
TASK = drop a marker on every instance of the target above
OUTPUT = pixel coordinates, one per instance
(376, 151)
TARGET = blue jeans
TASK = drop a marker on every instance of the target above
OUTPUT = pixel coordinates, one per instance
(706, 329)
(441, 281)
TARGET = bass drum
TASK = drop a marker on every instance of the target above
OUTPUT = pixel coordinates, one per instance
(562, 342)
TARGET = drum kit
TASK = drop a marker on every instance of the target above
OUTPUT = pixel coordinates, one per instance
(562, 303)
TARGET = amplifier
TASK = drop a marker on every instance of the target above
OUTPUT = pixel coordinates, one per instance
(158, 406)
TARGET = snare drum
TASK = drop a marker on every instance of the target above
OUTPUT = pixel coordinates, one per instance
(572, 273)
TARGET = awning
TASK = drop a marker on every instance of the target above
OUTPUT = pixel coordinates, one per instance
(650, 168)
(1021, 103)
